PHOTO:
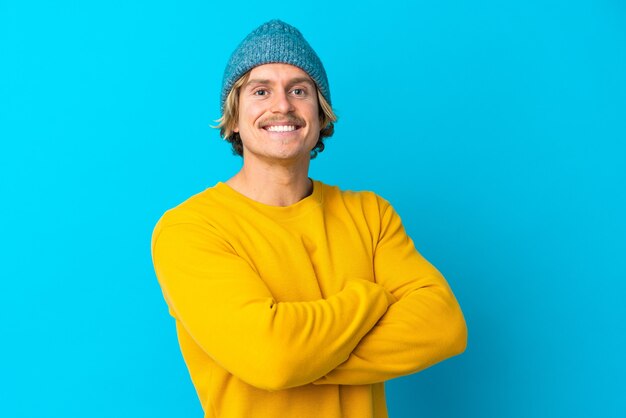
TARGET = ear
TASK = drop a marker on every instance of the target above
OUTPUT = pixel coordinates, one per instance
(236, 129)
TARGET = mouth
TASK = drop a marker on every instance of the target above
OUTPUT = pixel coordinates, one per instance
(281, 128)
(283, 125)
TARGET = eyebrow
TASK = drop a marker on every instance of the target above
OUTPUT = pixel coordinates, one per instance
(291, 82)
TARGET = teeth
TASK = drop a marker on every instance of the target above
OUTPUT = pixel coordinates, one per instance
(281, 128)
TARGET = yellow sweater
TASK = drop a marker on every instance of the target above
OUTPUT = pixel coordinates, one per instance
(300, 311)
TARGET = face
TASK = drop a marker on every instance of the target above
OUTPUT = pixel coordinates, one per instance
(278, 115)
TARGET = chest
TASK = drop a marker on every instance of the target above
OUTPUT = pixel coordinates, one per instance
(310, 257)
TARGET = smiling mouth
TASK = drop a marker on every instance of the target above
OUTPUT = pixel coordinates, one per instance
(281, 128)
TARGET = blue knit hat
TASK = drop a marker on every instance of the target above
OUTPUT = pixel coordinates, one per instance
(274, 42)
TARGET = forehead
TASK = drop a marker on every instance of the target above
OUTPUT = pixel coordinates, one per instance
(277, 72)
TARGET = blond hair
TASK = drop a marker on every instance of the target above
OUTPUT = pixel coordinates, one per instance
(228, 121)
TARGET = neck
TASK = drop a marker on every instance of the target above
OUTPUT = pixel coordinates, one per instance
(273, 185)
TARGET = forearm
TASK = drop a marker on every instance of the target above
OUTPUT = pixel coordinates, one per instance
(423, 328)
(232, 316)
(280, 345)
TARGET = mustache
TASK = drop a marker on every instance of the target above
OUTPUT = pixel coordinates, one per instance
(290, 119)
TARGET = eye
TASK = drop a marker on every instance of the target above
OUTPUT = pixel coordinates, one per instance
(260, 92)
(299, 92)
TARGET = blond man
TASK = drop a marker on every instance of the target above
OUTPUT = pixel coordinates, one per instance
(292, 297)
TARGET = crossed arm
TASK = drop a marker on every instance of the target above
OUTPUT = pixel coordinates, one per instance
(424, 326)
(368, 332)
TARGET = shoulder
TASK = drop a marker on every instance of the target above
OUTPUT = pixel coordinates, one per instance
(366, 210)
(364, 200)
(201, 212)
(197, 208)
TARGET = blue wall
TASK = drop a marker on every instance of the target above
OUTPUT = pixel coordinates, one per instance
(497, 130)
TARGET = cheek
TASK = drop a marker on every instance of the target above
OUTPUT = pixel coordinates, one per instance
(314, 113)
(242, 120)
(248, 116)
(316, 118)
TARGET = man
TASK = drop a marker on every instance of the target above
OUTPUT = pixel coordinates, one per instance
(293, 298)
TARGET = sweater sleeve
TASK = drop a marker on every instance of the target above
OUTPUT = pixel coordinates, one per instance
(423, 327)
(230, 313)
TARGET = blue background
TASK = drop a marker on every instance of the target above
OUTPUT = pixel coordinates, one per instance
(495, 128)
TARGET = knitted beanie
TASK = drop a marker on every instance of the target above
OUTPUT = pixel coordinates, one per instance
(274, 42)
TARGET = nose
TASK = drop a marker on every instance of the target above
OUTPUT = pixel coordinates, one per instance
(281, 103)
